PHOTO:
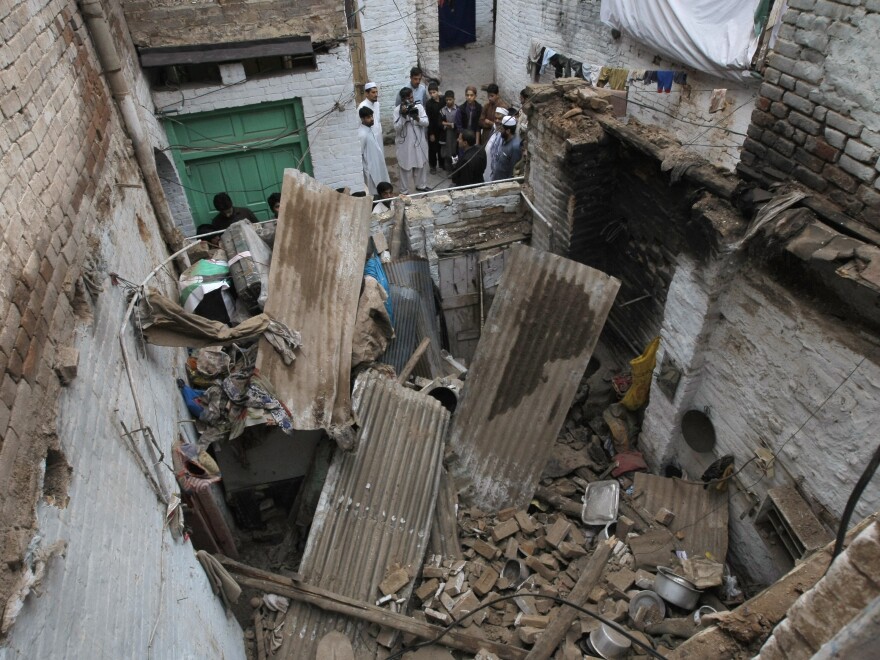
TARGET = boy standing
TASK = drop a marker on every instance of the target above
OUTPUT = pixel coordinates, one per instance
(449, 147)
(435, 128)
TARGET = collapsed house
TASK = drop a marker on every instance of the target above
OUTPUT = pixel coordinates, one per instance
(762, 293)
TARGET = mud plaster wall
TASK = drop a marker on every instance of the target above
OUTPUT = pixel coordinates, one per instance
(762, 359)
(68, 205)
(816, 120)
(573, 28)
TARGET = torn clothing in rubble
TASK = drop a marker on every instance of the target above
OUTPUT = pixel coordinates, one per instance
(241, 399)
(165, 323)
(222, 583)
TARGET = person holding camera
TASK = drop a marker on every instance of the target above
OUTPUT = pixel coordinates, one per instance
(410, 122)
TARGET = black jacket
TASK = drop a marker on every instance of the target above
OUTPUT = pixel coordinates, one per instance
(470, 166)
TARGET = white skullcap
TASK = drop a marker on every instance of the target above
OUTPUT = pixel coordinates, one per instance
(509, 121)
(501, 111)
(369, 86)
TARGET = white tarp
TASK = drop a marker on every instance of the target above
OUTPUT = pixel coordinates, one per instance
(715, 36)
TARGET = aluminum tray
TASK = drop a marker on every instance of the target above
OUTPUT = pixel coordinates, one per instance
(601, 499)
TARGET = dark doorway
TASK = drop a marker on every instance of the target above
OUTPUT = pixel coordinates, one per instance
(458, 22)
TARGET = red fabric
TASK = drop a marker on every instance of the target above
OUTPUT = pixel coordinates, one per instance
(628, 461)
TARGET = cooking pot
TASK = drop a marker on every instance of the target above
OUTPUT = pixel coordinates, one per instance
(675, 589)
(609, 643)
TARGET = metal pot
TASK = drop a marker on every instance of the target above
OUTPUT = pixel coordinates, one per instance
(675, 589)
(609, 643)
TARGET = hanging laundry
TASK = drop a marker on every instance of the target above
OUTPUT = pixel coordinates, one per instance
(664, 81)
(595, 72)
(649, 77)
(718, 100)
(548, 53)
(536, 52)
(614, 78)
(577, 68)
(680, 78)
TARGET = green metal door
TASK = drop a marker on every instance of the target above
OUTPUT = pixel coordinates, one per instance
(242, 151)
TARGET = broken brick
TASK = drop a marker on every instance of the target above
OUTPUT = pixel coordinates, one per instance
(558, 532)
(486, 582)
(525, 522)
(621, 580)
(664, 516)
(533, 620)
(503, 530)
(505, 514)
(528, 635)
(427, 589)
(394, 581)
(486, 550)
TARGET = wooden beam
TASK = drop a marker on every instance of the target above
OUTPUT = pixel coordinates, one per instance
(413, 360)
(554, 633)
(327, 600)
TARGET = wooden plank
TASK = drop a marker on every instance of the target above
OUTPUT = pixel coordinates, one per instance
(314, 285)
(413, 360)
(546, 644)
(331, 602)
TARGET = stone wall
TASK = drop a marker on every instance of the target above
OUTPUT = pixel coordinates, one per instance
(485, 22)
(573, 28)
(333, 143)
(73, 209)
(816, 120)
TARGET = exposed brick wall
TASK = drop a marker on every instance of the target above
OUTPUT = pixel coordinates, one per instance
(335, 150)
(70, 202)
(816, 119)
(573, 28)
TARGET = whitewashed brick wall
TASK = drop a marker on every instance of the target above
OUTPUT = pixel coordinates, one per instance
(485, 22)
(573, 28)
(335, 150)
(762, 360)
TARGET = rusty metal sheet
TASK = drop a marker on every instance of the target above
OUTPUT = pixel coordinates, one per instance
(700, 514)
(314, 283)
(376, 506)
(539, 335)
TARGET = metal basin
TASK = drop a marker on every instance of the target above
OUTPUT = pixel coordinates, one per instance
(601, 499)
(609, 643)
(675, 589)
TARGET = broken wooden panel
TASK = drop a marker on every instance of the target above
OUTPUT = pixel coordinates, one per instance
(538, 338)
(314, 283)
(700, 523)
(376, 506)
(460, 293)
(415, 273)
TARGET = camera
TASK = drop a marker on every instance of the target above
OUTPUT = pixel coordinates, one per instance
(410, 109)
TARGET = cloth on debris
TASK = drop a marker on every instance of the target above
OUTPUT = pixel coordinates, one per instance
(718, 100)
(212, 361)
(664, 81)
(193, 470)
(622, 425)
(191, 397)
(165, 323)
(533, 62)
(202, 278)
(222, 582)
(613, 78)
(276, 603)
(628, 461)
(251, 398)
(642, 369)
(373, 328)
(373, 268)
(678, 161)
(248, 257)
(766, 214)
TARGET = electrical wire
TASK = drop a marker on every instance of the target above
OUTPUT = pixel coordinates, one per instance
(623, 631)
(854, 498)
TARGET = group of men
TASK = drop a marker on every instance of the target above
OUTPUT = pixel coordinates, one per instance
(473, 143)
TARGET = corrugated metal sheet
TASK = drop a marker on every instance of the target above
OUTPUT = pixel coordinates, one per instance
(376, 507)
(444, 528)
(415, 273)
(700, 514)
(314, 283)
(407, 308)
(536, 343)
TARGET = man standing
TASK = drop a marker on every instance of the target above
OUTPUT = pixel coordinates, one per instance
(410, 122)
(509, 153)
(472, 162)
(436, 132)
(419, 91)
(372, 157)
(227, 213)
(487, 116)
(371, 101)
(494, 143)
